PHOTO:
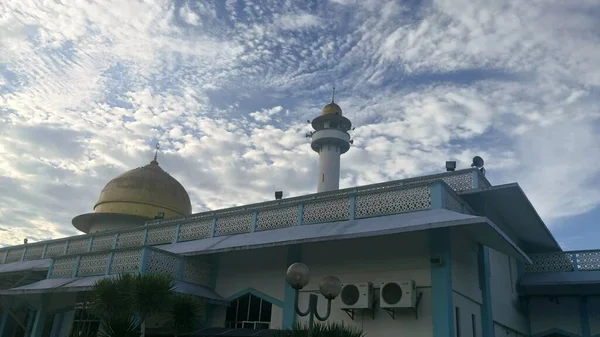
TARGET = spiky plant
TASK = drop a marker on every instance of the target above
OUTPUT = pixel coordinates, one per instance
(323, 330)
(124, 326)
(182, 315)
(125, 301)
(150, 294)
(109, 296)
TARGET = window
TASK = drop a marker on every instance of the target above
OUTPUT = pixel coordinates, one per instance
(84, 322)
(474, 325)
(457, 320)
(248, 312)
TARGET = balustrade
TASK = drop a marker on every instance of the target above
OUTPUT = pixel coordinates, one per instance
(394, 197)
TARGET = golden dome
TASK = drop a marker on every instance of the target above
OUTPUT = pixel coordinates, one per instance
(332, 109)
(144, 191)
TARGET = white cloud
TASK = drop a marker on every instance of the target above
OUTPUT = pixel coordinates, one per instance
(87, 89)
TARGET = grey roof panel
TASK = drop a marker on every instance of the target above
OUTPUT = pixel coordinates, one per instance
(481, 228)
(20, 266)
(520, 218)
(200, 291)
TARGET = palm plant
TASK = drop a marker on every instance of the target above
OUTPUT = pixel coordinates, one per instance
(123, 303)
(182, 314)
(149, 294)
(323, 330)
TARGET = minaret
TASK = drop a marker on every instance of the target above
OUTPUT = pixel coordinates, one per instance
(330, 139)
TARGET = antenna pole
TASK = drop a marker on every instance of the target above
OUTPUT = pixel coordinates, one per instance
(156, 153)
(333, 96)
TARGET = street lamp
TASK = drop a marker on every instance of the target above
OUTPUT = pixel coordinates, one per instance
(297, 277)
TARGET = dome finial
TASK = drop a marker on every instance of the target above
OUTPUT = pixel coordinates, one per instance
(155, 161)
(333, 96)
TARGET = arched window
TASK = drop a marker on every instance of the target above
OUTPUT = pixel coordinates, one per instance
(248, 312)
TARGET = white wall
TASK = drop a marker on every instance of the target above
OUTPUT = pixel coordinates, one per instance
(546, 314)
(502, 331)
(507, 309)
(467, 308)
(261, 269)
(391, 258)
(374, 260)
(465, 270)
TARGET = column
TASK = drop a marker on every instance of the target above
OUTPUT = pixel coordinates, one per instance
(4, 322)
(289, 296)
(441, 283)
(56, 324)
(487, 321)
(40, 318)
(210, 308)
(585, 318)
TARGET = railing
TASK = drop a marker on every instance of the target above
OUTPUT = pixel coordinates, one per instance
(395, 197)
(197, 270)
(581, 260)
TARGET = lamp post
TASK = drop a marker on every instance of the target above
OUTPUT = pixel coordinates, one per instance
(297, 277)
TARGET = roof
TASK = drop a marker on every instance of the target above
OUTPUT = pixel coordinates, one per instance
(508, 206)
(561, 283)
(479, 228)
(21, 266)
(76, 284)
(143, 192)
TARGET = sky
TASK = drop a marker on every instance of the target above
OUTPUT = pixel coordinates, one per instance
(87, 88)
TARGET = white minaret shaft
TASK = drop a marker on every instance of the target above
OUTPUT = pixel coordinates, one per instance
(329, 168)
(330, 140)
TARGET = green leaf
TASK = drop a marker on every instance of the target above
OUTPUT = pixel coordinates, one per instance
(183, 313)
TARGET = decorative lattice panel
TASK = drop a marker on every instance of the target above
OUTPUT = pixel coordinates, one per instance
(234, 224)
(391, 202)
(56, 249)
(588, 260)
(63, 267)
(460, 182)
(105, 242)
(127, 261)
(198, 229)
(90, 265)
(78, 246)
(554, 262)
(14, 255)
(277, 218)
(34, 252)
(326, 210)
(452, 203)
(131, 239)
(159, 235)
(160, 263)
(197, 270)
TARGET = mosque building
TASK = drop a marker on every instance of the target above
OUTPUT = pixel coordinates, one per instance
(441, 255)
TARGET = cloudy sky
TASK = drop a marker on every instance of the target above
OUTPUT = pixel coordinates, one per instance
(88, 87)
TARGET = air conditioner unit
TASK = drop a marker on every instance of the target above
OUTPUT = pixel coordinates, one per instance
(357, 296)
(398, 294)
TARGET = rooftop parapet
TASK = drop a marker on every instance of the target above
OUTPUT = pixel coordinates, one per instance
(407, 195)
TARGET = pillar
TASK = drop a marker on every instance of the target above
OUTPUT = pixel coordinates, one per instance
(210, 308)
(441, 283)
(57, 324)
(4, 324)
(40, 318)
(584, 317)
(289, 296)
(487, 321)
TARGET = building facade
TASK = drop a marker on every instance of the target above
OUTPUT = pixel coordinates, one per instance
(470, 259)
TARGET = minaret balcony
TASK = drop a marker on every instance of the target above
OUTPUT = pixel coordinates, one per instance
(331, 137)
